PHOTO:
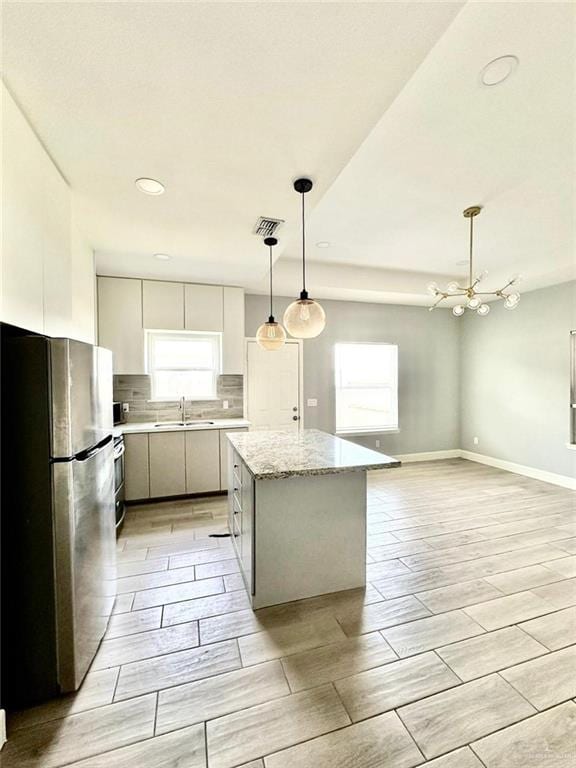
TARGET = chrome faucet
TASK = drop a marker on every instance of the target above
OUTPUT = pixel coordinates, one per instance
(183, 410)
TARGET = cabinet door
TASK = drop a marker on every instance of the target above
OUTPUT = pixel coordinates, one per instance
(167, 464)
(224, 443)
(136, 467)
(202, 461)
(120, 322)
(163, 305)
(57, 256)
(23, 220)
(247, 528)
(233, 336)
(203, 307)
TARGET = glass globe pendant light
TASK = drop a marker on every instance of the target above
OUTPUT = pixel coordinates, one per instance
(304, 318)
(270, 336)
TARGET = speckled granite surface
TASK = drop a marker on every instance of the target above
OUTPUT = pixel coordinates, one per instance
(274, 455)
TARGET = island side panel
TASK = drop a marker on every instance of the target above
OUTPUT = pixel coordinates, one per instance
(310, 536)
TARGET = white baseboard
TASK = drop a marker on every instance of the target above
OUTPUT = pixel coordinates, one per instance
(406, 458)
(521, 469)
(2, 727)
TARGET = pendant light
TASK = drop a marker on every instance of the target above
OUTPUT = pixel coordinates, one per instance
(304, 318)
(473, 299)
(271, 335)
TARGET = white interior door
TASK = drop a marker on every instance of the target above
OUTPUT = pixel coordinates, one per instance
(273, 387)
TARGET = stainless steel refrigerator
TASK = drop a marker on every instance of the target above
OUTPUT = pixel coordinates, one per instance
(58, 532)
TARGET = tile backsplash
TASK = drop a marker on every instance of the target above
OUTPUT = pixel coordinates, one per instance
(135, 390)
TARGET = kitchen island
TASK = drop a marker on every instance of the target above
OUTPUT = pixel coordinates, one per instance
(297, 512)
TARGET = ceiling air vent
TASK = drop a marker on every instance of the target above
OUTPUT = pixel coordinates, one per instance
(265, 227)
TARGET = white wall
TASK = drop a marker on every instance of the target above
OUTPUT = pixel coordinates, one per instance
(47, 270)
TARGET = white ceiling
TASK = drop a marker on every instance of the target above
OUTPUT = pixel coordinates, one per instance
(448, 142)
(380, 103)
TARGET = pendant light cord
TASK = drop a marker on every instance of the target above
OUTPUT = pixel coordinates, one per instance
(471, 241)
(303, 248)
(271, 310)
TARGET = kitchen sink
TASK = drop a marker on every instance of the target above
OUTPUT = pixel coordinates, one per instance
(183, 423)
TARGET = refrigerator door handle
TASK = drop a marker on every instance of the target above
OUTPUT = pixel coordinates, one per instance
(87, 454)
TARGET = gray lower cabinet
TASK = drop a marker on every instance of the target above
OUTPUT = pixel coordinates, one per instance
(241, 516)
(202, 461)
(160, 464)
(167, 464)
(224, 456)
(136, 467)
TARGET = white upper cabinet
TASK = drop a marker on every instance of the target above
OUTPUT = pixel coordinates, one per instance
(39, 264)
(129, 306)
(120, 322)
(233, 338)
(57, 259)
(24, 216)
(203, 307)
(163, 305)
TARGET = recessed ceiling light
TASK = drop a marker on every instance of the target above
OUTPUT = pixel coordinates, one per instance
(150, 186)
(323, 244)
(162, 256)
(498, 70)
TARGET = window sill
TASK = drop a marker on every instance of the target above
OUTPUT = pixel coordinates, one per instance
(571, 446)
(359, 432)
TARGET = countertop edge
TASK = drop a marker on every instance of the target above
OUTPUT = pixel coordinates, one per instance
(316, 472)
(134, 428)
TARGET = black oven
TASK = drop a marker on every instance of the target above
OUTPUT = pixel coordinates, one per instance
(119, 506)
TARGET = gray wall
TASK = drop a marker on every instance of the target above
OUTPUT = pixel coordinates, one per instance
(515, 379)
(428, 352)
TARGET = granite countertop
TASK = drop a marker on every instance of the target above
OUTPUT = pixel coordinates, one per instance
(276, 455)
(150, 426)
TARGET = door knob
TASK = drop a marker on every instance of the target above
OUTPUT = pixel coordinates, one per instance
(294, 418)
(295, 408)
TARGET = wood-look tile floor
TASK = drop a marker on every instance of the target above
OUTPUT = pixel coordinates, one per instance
(460, 653)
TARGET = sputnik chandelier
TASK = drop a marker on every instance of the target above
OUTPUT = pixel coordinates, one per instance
(472, 298)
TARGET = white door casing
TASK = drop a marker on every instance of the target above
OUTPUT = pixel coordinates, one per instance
(273, 390)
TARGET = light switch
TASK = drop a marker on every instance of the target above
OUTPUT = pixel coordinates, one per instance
(225, 404)
(312, 402)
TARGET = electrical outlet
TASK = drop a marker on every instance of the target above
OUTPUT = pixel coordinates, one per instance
(476, 441)
(225, 404)
(126, 407)
(377, 443)
(312, 402)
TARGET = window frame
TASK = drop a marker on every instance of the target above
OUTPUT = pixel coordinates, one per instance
(391, 429)
(214, 337)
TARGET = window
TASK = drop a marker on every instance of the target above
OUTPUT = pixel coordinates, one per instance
(183, 364)
(366, 388)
